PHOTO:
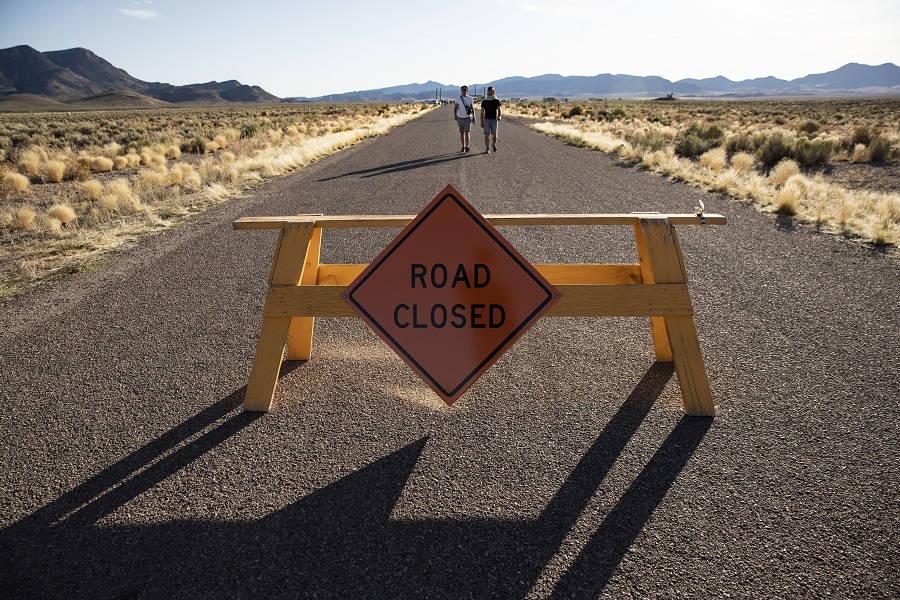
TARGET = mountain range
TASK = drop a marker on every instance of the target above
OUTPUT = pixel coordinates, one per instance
(850, 80)
(78, 73)
(78, 76)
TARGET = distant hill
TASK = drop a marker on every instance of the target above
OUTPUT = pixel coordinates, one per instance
(78, 74)
(850, 80)
(125, 99)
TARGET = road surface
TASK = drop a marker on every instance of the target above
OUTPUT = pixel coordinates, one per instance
(568, 470)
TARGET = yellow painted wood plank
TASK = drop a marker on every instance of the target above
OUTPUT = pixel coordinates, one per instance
(663, 254)
(272, 222)
(575, 301)
(344, 274)
(660, 338)
(354, 221)
(287, 270)
(300, 334)
(266, 364)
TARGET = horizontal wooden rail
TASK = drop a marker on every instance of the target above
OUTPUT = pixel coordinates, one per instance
(344, 274)
(354, 221)
(577, 300)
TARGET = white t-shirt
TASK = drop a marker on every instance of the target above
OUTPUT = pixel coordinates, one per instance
(461, 103)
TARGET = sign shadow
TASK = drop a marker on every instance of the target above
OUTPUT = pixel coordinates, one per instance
(341, 540)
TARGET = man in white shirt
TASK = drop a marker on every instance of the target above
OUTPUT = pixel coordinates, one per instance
(464, 110)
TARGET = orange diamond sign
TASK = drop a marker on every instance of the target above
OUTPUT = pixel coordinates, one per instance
(450, 295)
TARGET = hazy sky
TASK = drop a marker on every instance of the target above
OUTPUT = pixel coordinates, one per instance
(312, 48)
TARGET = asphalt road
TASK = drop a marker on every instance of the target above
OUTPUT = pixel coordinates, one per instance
(568, 470)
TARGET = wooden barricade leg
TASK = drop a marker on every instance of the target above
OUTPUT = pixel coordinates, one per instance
(663, 256)
(300, 334)
(657, 324)
(287, 269)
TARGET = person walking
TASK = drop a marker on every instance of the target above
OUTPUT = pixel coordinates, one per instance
(490, 117)
(464, 110)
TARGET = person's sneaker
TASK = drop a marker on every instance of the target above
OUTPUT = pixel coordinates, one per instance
(467, 149)
(463, 149)
(495, 148)
(487, 150)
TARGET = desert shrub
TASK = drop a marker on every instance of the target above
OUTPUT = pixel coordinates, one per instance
(783, 171)
(809, 127)
(250, 130)
(575, 111)
(774, 149)
(195, 145)
(739, 143)
(861, 135)
(120, 162)
(810, 153)
(15, 182)
(221, 140)
(879, 149)
(76, 171)
(211, 147)
(649, 140)
(697, 139)
(62, 213)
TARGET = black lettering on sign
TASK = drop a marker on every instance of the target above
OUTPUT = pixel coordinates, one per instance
(478, 316)
(438, 275)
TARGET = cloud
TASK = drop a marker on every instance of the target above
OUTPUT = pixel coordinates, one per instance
(139, 13)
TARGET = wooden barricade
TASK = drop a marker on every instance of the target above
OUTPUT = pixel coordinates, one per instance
(300, 289)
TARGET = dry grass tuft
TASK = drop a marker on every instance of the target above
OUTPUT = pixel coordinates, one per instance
(101, 164)
(22, 218)
(714, 159)
(92, 189)
(53, 171)
(742, 162)
(783, 171)
(63, 213)
(15, 182)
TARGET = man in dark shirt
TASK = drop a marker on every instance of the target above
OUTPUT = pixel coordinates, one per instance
(490, 117)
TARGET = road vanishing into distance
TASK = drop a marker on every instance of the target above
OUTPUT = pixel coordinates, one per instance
(129, 469)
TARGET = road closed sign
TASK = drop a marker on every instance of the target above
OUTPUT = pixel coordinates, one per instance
(450, 295)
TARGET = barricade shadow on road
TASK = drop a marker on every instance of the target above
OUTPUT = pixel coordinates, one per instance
(399, 166)
(339, 541)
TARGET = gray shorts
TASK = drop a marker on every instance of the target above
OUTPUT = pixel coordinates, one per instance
(490, 126)
(464, 124)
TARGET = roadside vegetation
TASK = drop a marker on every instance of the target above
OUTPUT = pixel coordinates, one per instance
(74, 186)
(832, 163)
